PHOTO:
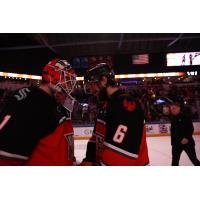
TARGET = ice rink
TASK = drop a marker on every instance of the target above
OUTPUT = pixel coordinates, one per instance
(159, 151)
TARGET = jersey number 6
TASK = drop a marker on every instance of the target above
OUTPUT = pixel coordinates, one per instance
(120, 133)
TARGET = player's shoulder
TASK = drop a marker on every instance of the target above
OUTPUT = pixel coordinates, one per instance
(21, 93)
(127, 101)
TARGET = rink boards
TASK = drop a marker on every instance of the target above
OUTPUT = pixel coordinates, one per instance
(151, 130)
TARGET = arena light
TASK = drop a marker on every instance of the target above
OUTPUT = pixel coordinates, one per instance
(36, 77)
(80, 78)
(25, 76)
(12, 75)
(149, 75)
(168, 74)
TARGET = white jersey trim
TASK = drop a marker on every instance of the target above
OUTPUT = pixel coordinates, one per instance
(100, 134)
(67, 134)
(101, 121)
(5, 120)
(63, 119)
(11, 155)
(121, 150)
(102, 164)
(148, 164)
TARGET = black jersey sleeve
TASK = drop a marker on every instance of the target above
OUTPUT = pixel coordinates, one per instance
(9, 107)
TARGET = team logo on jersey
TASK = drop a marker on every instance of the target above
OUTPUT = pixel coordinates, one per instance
(22, 94)
(129, 105)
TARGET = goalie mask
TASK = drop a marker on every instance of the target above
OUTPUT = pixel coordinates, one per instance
(61, 78)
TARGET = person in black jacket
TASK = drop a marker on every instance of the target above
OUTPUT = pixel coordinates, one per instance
(181, 135)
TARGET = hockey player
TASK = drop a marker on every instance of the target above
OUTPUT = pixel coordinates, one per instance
(119, 136)
(34, 130)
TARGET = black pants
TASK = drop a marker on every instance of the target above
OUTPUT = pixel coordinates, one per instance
(189, 149)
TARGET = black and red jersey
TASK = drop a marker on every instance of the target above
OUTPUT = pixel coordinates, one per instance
(28, 117)
(56, 149)
(119, 134)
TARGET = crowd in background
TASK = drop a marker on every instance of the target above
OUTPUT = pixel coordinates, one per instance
(146, 92)
(187, 95)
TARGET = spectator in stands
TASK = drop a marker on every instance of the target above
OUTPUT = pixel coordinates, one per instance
(145, 93)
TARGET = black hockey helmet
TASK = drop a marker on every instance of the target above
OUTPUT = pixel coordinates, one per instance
(102, 69)
(168, 101)
(178, 101)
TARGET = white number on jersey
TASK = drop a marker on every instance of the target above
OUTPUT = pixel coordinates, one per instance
(120, 133)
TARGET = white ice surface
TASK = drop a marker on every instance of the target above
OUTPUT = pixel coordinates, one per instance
(159, 149)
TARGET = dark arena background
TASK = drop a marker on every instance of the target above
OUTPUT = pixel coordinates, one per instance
(152, 66)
